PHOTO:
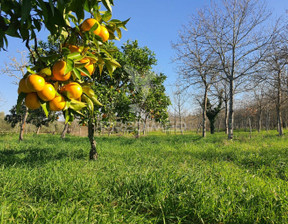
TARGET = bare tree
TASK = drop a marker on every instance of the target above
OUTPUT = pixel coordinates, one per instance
(196, 62)
(180, 97)
(16, 69)
(235, 31)
(276, 64)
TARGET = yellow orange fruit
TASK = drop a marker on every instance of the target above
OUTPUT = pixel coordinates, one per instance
(47, 93)
(23, 87)
(74, 48)
(58, 71)
(35, 82)
(32, 101)
(73, 90)
(104, 34)
(85, 61)
(57, 104)
(90, 68)
(88, 24)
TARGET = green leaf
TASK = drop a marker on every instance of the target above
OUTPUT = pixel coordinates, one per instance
(84, 70)
(95, 101)
(31, 71)
(67, 116)
(107, 5)
(76, 56)
(51, 6)
(69, 66)
(37, 24)
(107, 16)
(25, 10)
(101, 64)
(119, 33)
(20, 99)
(77, 73)
(77, 105)
(88, 91)
(44, 107)
(111, 65)
(89, 102)
(13, 29)
(97, 16)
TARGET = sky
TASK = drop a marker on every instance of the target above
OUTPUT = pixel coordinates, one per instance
(154, 24)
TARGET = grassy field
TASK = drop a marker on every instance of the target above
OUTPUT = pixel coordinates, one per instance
(154, 179)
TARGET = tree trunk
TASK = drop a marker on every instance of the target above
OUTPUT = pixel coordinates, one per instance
(64, 130)
(204, 112)
(267, 120)
(180, 121)
(93, 151)
(231, 110)
(175, 124)
(278, 105)
(23, 123)
(145, 125)
(212, 126)
(259, 119)
(138, 128)
(38, 130)
(250, 127)
(226, 117)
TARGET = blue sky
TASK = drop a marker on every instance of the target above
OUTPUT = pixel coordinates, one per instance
(154, 24)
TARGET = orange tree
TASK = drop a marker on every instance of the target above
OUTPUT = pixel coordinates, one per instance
(63, 80)
(123, 94)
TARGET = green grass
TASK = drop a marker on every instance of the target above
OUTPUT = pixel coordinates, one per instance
(154, 179)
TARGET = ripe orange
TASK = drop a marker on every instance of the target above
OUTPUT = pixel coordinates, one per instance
(57, 104)
(32, 101)
(73, 90)
(90, 68)
(35, 82)
(58, 71)
(23, 87)
(74, 48)
(88, 24)
(104, 34)
(47, 93)
(88, 65)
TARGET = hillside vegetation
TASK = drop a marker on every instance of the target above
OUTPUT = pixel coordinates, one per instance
(154, 179)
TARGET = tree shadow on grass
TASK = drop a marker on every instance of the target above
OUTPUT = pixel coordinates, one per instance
(36, 156)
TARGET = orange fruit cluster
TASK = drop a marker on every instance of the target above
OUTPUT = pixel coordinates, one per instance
(56, 86)
(101, 30)
(37, 89)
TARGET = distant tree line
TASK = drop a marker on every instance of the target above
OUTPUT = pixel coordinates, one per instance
(234, 48)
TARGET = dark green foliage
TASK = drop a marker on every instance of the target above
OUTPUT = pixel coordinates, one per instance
(23, 19)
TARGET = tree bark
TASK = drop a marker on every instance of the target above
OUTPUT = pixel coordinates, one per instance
(278, 105)
(231, 110)
(38, 130)
(267, 120)
(226, 117)
(204, 112)
(23, 124)
(250, 127)
(259, 119)
(175, 123)
(145, 125)
(212, 127)
(93, 151)
(64, 130)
